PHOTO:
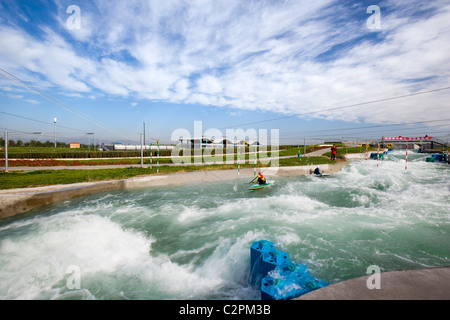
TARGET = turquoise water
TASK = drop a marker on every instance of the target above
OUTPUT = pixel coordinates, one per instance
(192, 242)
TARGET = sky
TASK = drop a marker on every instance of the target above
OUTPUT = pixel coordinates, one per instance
(315, 70)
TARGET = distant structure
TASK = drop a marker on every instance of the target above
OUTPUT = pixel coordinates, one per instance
(123, 147)
(418, 143)
(74, 145)
(210, 143)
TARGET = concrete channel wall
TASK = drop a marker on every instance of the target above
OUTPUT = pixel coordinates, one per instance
(413, 284)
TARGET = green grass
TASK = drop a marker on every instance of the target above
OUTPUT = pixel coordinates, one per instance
(27, 179)
(154, 160)
(50, 153)
(36, 178)
(24, 179)
(295, 151)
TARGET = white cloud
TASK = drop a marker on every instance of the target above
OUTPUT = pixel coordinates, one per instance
(52, 58)
(209, 85)
(32, 101)
(250, 55)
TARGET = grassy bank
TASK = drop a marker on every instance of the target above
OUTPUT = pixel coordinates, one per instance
(35, 178)
(28, 179)
(343, 151)
(135, 160)
(28, 153)
(42, 177)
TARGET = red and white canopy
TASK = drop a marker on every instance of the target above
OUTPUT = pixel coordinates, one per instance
(400, 138)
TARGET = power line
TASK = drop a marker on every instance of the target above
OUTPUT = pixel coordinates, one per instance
(367, 127)
(48, 123)
(38, 92)
(52, 99)
(342, 107)
(15, 131)
(370, 133)
(376, 131)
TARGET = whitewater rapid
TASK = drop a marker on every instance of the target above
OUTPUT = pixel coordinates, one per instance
(193, 241)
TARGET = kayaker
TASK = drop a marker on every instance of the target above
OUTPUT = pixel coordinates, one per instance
(261, 178)
(317, 171)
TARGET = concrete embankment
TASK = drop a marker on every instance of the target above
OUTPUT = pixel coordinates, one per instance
(17, 201)
(415, 284)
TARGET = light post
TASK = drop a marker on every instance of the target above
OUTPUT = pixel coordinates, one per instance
(6, 151)
(142, 151)
(54, 130)
(89, 133)
(144, 134)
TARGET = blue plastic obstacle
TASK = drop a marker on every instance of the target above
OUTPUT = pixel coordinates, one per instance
(277, 276)
(438, 157)
(375, 156)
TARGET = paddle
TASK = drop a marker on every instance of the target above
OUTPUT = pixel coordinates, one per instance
(253, 180)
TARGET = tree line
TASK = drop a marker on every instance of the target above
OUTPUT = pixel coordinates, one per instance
(35, 143)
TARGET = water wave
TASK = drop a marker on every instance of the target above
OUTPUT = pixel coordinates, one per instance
(192, 242)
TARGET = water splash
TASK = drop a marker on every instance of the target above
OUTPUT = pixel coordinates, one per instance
(192, 242)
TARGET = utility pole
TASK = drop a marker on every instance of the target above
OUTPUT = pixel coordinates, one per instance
(144, 133)
(54, 130)
(304, 146)
(89, 134)
(142, 153)
(157, 165)
(6, 151)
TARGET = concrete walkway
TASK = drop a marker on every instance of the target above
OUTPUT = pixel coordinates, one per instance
(318, 153)
(416, 284)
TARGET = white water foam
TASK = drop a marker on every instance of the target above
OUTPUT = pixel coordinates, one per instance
(154, 244)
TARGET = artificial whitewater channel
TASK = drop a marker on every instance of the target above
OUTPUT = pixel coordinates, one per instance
(193, 241)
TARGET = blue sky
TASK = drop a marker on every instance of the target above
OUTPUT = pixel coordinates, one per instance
(228, 63)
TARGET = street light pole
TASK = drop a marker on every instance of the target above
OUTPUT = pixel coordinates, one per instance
(54, 130)
(142, 153)
(89, 133)
(144, 133)
(6, 151)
